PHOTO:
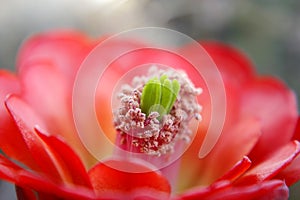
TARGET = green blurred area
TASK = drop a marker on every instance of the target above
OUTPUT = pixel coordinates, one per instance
(268, 31)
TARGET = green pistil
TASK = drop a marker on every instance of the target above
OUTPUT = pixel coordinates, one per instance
(159, 95)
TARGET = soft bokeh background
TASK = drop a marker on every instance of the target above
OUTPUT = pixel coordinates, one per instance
(267, 30)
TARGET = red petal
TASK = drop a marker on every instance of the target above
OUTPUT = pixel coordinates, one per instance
(241, 167)
(273, 189)
(291, 174)
(231, 62)
(204, 192)
(54, 162)
(68, 160)
(11, 141)
(66, 49)
(47, 187)
(23, 178)
(236, 70)
(242, 136)
(44, 88)
(26, 119)
(271, 165)
(262, 98)
(105, 177)
(275, 106)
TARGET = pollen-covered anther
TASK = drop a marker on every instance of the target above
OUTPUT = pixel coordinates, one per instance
(155, 112)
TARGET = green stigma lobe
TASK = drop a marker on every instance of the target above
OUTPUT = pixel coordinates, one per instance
(159, 95)
(151, 95)
(175, 91)
(167, 96)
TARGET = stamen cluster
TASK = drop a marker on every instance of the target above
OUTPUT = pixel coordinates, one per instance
(154, 134)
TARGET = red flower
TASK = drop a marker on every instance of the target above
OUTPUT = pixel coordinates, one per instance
(256, 156)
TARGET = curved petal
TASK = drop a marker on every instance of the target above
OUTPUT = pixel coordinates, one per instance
(261, 98)
(204, 192)
(66, 49)
(26, 119)
(25, 179)
(231, 62)
(273, 189)
(236, 70)
(68, 160)
(106, 176)
(291, 174)
(270, 101)
(222, 183)
(272, 165)
(11, 140)
(242, 136)
(51, 161)
(44, 89)
(238, 169)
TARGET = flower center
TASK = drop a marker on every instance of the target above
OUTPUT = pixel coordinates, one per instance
(155, 112)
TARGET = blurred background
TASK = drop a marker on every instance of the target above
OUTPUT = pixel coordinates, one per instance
(267, 30)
